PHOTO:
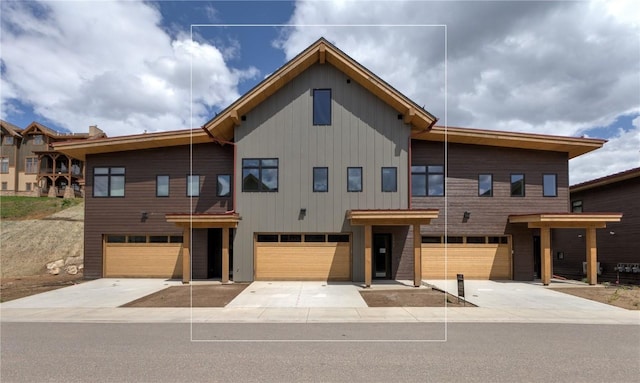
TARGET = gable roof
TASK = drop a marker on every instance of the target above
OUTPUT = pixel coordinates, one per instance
(222, 126)
(606, 180)
(571, 145)
(13, 130)
(38, 126)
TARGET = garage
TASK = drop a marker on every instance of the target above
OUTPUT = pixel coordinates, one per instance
(303, 257)
(142, 256)
(477, 257)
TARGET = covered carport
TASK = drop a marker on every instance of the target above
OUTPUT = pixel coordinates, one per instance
(204, 221)
(547, 221)
(414, 218)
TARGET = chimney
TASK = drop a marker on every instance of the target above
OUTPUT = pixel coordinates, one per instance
(94, 131)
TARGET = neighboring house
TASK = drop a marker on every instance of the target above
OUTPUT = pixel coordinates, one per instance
(324, 172)
(619, 244)
(30, 165)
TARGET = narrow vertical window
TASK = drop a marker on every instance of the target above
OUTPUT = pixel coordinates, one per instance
(354, 179)
(517, 185)
(4, 186)
(224, 185)
(389, 179)
(435, 181)
(322, 107)
(485, 185)
(576, 206)
(193, 186)
(549, 185)
(320, 180)
(4, 165)
(162, 186)
(31, 165)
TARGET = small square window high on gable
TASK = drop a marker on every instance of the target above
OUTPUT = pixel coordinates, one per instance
(322, 107)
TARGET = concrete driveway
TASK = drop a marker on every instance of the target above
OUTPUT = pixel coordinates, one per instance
(100, 293)
(299, 294)
(516, 295)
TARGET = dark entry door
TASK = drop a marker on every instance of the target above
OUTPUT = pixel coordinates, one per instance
(381, 256)
(214, 253)
(537, 267)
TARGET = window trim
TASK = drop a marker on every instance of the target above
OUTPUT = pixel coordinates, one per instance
(230, 193)
(168, 185)
(491, 188)
(260, 167)
(109, 176)
(524, 178)
(313, 181)
(188, 179)
(555, 184)
(313, 111)
(395, 173)
(361, 180)
(4, 160)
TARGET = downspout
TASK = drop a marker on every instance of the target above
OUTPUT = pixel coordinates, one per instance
(409, 177)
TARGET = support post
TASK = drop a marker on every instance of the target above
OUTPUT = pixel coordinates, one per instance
(592, 255)
(417, 256)
(545, 244)
(186, 255)
(225, 255)
(367, 255)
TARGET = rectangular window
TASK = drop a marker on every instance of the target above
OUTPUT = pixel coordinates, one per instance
(4, 186)
(137, 239)
(290, 238)
(389, 180)
(320, 179)
(37, 139)
(517, 185)
(31, 165)
(427, 181)
(162, 186)
(549, 185)
(338, 238)
(4, 165)
(108, 182)
(485, 185)
(28, 186)
(315, 238)
(454, 240)
(322, 107)
(8, 140)
(223, 187)
(354, 179)
(175, 239)
(158, 239)
(576, 206)
(267, 238)
(193, 185)
(476, 240)
(116, 238)
(260, 175)
(431, 239)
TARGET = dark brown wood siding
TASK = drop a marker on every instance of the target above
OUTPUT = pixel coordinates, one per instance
(623, 246)
(123, 215)
(489, 215)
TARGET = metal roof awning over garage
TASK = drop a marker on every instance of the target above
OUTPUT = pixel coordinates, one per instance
(189, 221)
(547, 221)
(370, 218)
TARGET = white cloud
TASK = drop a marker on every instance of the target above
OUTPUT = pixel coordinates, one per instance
(546, 67)
(79, 64)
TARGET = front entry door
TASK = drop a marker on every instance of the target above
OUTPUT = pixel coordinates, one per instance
(537, 261)
(381, 256)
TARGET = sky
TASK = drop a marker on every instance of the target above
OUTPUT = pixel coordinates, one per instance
(568, 68)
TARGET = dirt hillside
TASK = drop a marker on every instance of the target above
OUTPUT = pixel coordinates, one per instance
(27, 246)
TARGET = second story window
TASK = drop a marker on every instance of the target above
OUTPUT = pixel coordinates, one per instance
(427, 181)
(260, 175)
(31, 165)
(224, 185)
(4, 165)
(162, 186)
(517, 185)
(485, 185)
(108, 182)
(193, 185)
(8, 140)
(354, 179)
(320, 179)
(322, 107)
(38, 140)
(576, 206)
(549, 185)
(389, 179)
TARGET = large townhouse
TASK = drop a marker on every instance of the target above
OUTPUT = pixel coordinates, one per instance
(323, 171)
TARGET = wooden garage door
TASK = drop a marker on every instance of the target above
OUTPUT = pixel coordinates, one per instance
(298, 257)
(143, 260)
(488, 260)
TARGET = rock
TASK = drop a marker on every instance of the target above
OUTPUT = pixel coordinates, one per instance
(81, 266)
(54, 271)
(73, 260)
(72, 270)
(55, 264)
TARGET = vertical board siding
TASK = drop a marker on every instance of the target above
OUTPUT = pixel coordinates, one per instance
(123, 215)
(489, 215)
(621, 247)
(365, 132)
